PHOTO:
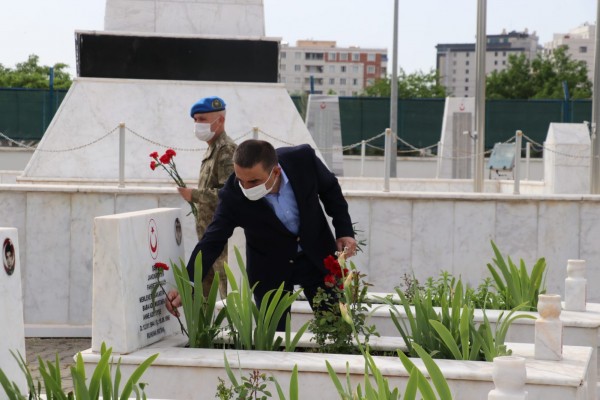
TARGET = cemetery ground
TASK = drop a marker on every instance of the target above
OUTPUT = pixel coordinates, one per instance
(48, 348)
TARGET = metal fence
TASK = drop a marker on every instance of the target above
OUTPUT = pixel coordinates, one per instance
(26, 113)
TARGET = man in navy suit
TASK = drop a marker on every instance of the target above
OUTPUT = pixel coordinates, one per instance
(276, 196)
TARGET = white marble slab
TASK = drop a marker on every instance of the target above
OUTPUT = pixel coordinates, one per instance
(323, 122)
(126, 246)
(467, 379)
(12, 330)
(230, 18)
(158, 111)
(566, 160)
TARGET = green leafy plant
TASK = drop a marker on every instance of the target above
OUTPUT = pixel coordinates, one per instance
(380, 389)
(253, 327)
(100, 381)
(451, 332)
(203, 326)
(514, 284)
(331, 333)
(255, 385)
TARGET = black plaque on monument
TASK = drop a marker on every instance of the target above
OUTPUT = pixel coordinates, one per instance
(112, 55)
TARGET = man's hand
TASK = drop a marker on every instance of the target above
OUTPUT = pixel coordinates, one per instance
(347, 243)
(173, 301)
(186, 193)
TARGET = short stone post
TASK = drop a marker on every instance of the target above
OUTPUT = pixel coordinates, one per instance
(548, 328)
(509, 374)
(575, 286)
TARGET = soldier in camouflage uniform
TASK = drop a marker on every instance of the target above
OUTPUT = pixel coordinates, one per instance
(209, 117)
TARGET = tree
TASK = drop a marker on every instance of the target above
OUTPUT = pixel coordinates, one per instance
(541, 78)
(30, 74)
(415, 85)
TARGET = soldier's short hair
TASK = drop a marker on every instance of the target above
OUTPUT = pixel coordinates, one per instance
(253, 151)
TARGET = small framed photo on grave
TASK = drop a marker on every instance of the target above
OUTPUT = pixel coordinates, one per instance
(8, 256)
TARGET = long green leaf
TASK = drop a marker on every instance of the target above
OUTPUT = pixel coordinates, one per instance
(136, 375)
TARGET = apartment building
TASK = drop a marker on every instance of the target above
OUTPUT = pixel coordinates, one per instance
(580, 43)
(455, 62)
(324, 68)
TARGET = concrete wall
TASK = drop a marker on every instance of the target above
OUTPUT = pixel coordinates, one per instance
(406, 232)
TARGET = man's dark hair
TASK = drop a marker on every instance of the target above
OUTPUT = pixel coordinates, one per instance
(253, 151)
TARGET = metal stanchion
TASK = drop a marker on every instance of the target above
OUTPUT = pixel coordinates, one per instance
(122, 154)
(527, 158)
(387, 162)
(363, 146)
(517, 170)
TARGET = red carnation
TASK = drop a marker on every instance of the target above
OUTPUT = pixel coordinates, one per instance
(165, 158)
(170, 152)
(333, 266)
(329, 280)
(154, 154)
(153, 165)
(162, 266)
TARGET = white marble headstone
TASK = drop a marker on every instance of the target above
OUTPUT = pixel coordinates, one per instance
(567, 159)
(452, 150)
(11, 308)
(323, 123)
(126, 247)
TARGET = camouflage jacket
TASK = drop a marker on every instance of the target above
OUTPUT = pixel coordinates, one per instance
(216, 167)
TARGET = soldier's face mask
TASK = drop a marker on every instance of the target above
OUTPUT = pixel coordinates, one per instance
(259, 191)
(203, 130)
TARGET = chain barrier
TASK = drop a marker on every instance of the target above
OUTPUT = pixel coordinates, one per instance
(422, 151)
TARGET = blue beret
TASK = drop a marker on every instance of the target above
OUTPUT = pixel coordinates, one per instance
(207, 104)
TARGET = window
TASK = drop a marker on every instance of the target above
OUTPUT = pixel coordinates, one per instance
(355, 69)
(466, 79)
(503, 62)
(504, 54)
(297, 80)
(495, 62)
(495, 54)
(332, 57)
(467, 62)
(342, 81)
(283, 55)
(371, 57)
(332, 81)
(297, 68)
(313, 56)
(332, 68)
(453, 79)
(466, 88)
(454, 71)
(343, 56)
(466, 71)
(343, 68)
(467, 54)
(355, 56)
(370, 82)
(370, 69)
(298, 55)
(355, 81)
(453, 62)
(583, 49)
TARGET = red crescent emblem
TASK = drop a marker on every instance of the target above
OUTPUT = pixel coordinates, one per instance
(461, 107)
(323, 105)
(153, 238)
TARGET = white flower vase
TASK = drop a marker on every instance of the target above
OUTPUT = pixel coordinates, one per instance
(548, 328)
(509, 374)
(575, 286)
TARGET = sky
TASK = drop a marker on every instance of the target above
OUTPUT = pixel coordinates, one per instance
(46, 28)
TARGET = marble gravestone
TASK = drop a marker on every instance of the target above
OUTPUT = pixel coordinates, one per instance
(12, 330)
(323, 123)
(456, 139)
(126, 247)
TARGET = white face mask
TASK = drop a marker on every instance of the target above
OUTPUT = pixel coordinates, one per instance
(203, 131)
(259, 191)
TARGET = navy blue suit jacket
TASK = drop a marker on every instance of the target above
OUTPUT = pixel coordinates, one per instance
(269, 245)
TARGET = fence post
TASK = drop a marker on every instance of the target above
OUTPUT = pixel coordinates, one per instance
(122, 154)
(363, 145)
(386, 158)
(439, 160)
(517, 170)
(255, 132)
(527, 157)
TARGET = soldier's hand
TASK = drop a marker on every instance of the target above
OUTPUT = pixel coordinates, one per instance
(186, 193)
